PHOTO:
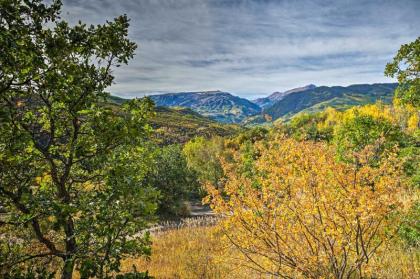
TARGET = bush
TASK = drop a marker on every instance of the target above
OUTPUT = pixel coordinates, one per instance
(297, 211)
(175, 181)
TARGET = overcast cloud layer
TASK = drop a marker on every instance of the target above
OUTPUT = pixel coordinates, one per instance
(255, 47)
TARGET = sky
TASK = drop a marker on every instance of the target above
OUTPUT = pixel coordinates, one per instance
(252, 48)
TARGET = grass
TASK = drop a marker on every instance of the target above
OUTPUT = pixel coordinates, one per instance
(191, 251)
(183, 253)
(196, 252)
(397, 262)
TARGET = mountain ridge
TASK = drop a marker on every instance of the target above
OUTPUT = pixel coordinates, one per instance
(218, 105)
(265, 102)
(340, 97)
(225, 107)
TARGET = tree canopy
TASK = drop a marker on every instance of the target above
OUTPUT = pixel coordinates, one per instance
(406, 68)
(71, 168)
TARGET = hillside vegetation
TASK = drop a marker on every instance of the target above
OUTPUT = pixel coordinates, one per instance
(223, 107)
(319, 98)
(349, 170)
(180, 124)
(327, 195)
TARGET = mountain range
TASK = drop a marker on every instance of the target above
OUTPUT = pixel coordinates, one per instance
(218, 105)
(318, 98)
(227, 108)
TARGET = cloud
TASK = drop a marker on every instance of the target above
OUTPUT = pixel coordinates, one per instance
(253, 47)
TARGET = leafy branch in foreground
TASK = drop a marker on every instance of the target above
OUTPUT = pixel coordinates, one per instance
(406, 68)
(71, 169)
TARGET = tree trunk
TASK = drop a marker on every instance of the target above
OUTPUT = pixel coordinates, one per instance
(68, 269)
(70, 249)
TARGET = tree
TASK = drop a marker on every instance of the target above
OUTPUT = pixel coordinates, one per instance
(174, 180)
(203, 157)
(251, 135)
(316, 126)
(406, 67)
(358, 130)
(304, 214)
(71, 168)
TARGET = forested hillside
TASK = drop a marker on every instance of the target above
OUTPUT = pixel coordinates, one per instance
(223, 107)
(178, 125)
(320, 98)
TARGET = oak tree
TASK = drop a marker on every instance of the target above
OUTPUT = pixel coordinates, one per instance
(71, 167)
(406, 68)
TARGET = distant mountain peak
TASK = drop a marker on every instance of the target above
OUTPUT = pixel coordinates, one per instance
(300, 89)
(277, 96)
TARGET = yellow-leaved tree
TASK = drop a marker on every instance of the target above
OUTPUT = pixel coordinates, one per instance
(302, 213)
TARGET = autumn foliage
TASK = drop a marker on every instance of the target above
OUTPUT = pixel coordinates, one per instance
(301, 212)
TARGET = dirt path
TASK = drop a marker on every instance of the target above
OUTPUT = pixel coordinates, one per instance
(200, 216)
(197, 209)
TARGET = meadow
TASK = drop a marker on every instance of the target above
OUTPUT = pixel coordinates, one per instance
(191, 252)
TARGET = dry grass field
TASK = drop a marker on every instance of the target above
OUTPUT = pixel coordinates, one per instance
(197, 252)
